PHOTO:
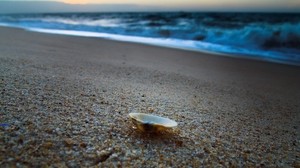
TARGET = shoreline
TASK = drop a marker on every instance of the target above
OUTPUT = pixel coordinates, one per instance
(65, 102)
(149, 41)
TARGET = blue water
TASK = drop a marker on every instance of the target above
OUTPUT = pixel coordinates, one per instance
(269, 36)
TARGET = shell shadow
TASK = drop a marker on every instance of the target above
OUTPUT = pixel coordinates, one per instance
(167, 137)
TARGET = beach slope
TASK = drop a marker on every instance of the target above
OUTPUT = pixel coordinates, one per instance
(65, 102)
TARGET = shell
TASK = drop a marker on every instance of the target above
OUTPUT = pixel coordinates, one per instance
(151, 123)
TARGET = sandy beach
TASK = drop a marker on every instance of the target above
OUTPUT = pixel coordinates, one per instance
(65, 102)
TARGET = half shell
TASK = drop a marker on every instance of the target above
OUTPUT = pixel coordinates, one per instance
(151, 123)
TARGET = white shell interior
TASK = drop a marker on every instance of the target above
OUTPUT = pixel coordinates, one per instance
(153, 119)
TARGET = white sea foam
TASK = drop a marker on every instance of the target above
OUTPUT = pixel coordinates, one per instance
(86, 22)
(172, 43)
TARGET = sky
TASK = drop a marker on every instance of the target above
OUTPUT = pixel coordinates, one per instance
(151, 5)
(217, 4)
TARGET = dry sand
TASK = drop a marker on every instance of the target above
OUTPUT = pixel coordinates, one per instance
(65, 102)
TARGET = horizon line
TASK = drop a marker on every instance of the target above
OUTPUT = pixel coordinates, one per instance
(21, 6)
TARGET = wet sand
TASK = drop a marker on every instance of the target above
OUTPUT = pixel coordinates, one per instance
(65, 102)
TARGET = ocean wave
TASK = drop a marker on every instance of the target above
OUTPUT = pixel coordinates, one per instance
(263, 36)
(266, 35)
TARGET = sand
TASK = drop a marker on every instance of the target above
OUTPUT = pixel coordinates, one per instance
(65, 102)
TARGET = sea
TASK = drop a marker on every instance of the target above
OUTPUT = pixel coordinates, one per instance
(273, 37)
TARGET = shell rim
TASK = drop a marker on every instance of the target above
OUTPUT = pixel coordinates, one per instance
(173, 123)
